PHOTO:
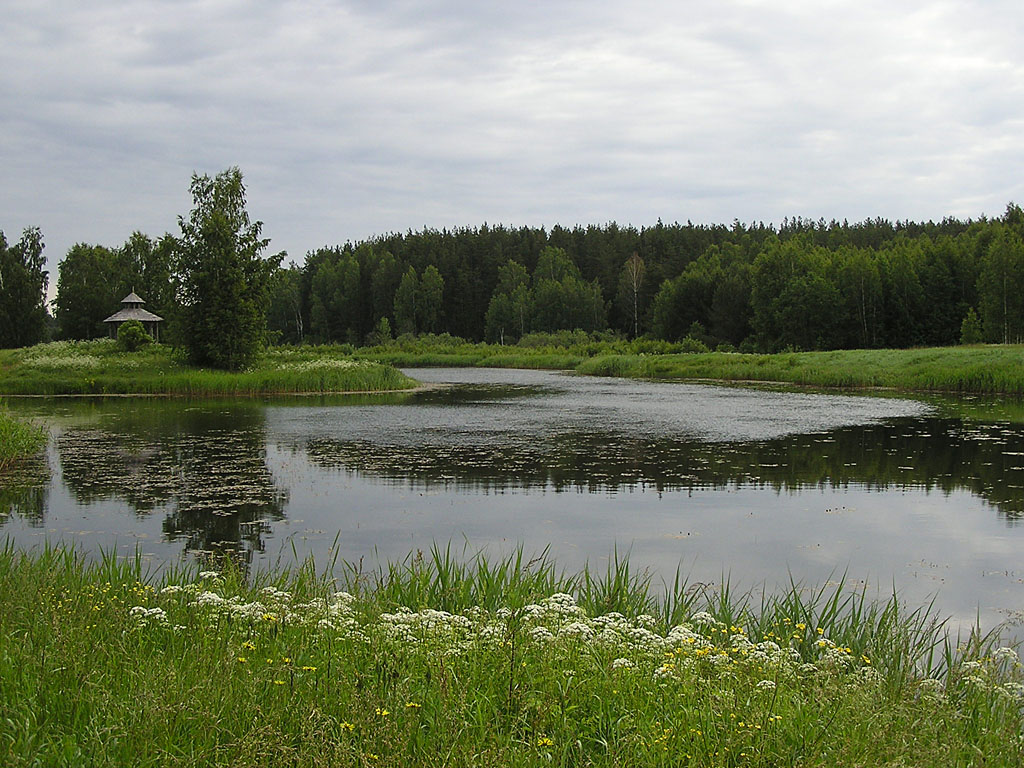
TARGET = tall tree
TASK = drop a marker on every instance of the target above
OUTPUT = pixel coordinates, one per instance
(284, 314)
(630, 283)
(144, 266)
(431, 299)
(221, 278)
(509, 307)
(1001, 288)
(88, 290)
(405, 302)
(23, 290)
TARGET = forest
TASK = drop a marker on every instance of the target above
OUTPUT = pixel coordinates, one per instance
(801, 285)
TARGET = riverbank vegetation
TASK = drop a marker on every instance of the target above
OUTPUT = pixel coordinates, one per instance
(975, 369)
(436, 660)
(101, 367)
(18, 440)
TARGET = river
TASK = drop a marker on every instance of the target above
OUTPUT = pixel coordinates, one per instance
(755, 486)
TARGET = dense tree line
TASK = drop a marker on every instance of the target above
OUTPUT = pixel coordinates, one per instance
(801, 285)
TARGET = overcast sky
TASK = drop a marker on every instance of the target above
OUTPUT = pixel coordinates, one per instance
(350, 119)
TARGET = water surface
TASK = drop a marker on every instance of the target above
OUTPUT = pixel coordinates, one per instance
(760, 486)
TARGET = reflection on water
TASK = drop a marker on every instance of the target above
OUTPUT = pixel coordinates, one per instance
(203, 467)
(932, 454)
(755, 482)
(24, 490)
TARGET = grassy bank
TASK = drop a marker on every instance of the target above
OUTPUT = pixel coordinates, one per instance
(435, 661)
(100, 367)
(977, 370)
(981, 369)
(18, 440)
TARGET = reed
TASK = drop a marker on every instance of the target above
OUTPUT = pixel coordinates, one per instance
(460, 658)
(18, 439)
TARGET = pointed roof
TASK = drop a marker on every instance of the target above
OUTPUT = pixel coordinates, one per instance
(133, 311)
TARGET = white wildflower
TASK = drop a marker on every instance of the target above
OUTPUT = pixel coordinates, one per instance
(1005, 654)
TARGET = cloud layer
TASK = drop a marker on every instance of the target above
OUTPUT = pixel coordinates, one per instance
(351, 119)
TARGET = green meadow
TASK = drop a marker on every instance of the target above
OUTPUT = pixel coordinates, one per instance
(444, 660)
(102, 368)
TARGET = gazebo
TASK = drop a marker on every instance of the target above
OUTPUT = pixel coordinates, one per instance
(133, 311)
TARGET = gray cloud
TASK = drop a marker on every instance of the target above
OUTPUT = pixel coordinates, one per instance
(356, 118)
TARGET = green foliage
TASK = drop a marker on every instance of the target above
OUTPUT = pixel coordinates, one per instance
(87, 291)
(221, 278)
(23, 284)
(486, 661)
(18, 440)
(430, 300)
(406, 300)
(970, 329)
(131, 336)
(794, 297)
(561, 299)
(92, 280)
(335, 299)
(101, 367)
(1001, 288)
(381, 334)
(284, 313)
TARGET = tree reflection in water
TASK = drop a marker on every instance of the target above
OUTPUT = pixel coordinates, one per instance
(934, 454)
(204, 466)
(25, 490)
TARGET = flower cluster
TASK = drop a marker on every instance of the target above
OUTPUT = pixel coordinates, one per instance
(321, 364)
(701, 648)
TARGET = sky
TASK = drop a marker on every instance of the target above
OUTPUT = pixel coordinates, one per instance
(354, 119)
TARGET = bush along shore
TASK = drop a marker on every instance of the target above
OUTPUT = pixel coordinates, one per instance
(438, 661)
(104, 367)
(975, 369)
(18, 440)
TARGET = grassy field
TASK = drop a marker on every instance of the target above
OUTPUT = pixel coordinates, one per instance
(100, 367)
(438, 660)
(979, 369)
(18, 440)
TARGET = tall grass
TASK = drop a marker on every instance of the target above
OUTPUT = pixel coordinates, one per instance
(100, 367)
(447, 658)
(18, 440)
(979, 369)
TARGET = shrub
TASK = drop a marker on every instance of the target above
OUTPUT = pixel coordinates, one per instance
(692, 345)
(970, 328)
(131, 336)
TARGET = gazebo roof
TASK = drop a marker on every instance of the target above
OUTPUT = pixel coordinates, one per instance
(133, 311)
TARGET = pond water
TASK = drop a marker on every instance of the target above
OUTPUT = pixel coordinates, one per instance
(757, 486)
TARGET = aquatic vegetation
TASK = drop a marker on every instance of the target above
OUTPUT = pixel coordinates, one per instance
(511, 664)
(102, 367)
(18, 439)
